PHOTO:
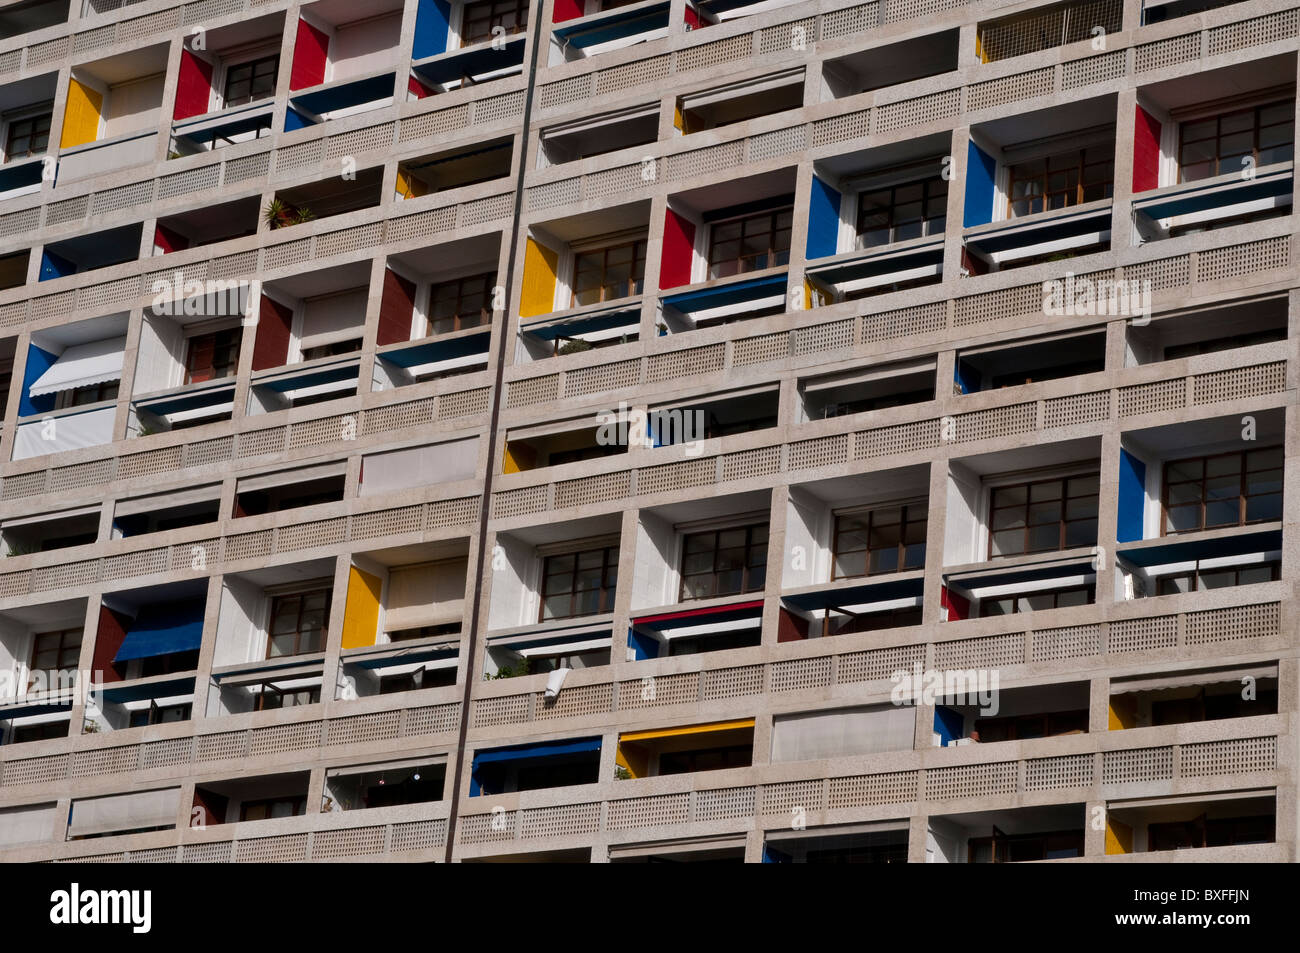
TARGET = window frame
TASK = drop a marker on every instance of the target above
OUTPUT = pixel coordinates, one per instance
(520, 9)
(773, 252)
(927, 182)
(197, 334)
(746, 570)
(63, 646)
(1217, 117)
(608, 581)
(299, 593)
(1243, 498)
(251, 62)
(32, 115)
(902, 506)
(1082, 161)
(459, 319)
(635, 284)
(1063, 522)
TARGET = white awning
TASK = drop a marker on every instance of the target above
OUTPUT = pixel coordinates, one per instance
(27, 825)
(124, 812)
(267, 481)
(82, 365)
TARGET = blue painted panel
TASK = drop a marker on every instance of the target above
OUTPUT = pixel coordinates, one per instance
(823, 220)
(981, 174)
(950, 724)
(432, 27)
(295, 120)
(968, 379)
(643, 645)
(54, 265)
(38, 362)
(1132, 497)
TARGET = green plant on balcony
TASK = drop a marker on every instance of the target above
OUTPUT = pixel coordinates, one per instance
(510, 671)
(281, 214)
(573, 346)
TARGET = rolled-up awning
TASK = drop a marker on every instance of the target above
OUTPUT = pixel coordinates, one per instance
(124, 812)
(1190, 679)
(82, 365)
(162, 630)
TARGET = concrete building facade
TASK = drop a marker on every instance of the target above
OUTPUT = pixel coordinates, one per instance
(654, 431)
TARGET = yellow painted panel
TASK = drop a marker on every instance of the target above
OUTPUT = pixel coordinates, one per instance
(540, 264)
(635, 761)
(81, 115)
(979, 51)
(409, 187)
(361, 614)
(678, 122)
(687, 730)
(1123, 712)
(1119, 837)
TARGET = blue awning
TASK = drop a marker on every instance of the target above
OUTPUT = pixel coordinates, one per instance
(424, 655)
(19, 175)
(616, 27)
(132, 693)
(326, 375)
(22, 711)
(1015, 235)
(540, 749)
(1219, 195)
(430, 352)
(346, 94)
(1181, 551)
(163, 629)
(720, 297)
(475, 61)
(585, 324)
(871, 263)
(191, 400)
(856, 595)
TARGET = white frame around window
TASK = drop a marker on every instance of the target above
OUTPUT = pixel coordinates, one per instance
(238, 56)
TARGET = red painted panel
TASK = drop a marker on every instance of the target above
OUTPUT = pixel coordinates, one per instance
(193, 86)
(692, 19)
(169, 240)
(395, 307)
(790, 627)
(109, 637)
(1146, 151)
(679, 245)
(310, 49)
(418, 88)
(566, 10)
(271, 344)
(958, 606)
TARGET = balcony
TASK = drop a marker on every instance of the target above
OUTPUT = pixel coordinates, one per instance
(114, 107)
(691, 749)
(1188, 696)
(1232, 820)
(1007, 837)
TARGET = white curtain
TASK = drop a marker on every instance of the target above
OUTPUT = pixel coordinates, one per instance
(425, 594)
(26, 825)
(335, 317)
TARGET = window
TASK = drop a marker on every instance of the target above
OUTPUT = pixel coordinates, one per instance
(27, 137)
(1004, 849)
(1229, 489)
(1025, 727)
(298, 623)
(724, 562)
(751, 243)
(270, 697)
(899, 212)
(271, 807)
(42, 732)
(577, 584)
(1036, 601)
(1059, 181)
(160, 715)
(479, 19)
(1203, 580)
(460, 303)
(350, 346)
(1043, 516)
(605, 274)
(251, 81)
(706, 759)
(212, 356)
(880, 541)
(90, 394)
(1221, 144)
(842, 622)
(58, 651)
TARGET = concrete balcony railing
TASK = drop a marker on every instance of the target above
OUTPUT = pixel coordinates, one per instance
(854, 663)
(1205, 757)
